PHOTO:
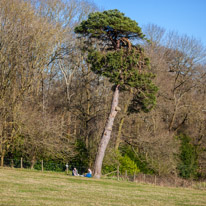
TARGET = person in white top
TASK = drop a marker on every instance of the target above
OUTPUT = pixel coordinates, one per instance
(75, 172)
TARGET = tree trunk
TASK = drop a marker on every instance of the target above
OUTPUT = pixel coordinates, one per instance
(173, 118)
(106, 134)
(118, 139)
(88, 116)
(2, 158)
(33, 161)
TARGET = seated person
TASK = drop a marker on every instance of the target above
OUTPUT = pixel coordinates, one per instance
(75, 172)
(89, 174)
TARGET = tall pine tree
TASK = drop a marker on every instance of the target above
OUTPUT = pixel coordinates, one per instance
(114, 56)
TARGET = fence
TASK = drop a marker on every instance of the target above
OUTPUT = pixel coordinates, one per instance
(169, 181)
(172, 181)
(42, 165)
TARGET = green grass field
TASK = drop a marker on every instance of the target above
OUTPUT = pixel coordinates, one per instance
(26, 187)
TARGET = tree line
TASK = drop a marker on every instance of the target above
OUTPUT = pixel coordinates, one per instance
(53, 106)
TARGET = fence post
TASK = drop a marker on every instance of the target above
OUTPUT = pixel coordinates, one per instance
(12, 163)
(176, 180)
(42, 165)
(134, 178)
(67, 168)
(144, 178)
(155, 180)
(125, 174)
(21, 162)
(118, 172)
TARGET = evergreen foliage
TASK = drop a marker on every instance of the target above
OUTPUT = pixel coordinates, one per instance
(123, 69)
(126, 65)
(188, 158)
(110, 26)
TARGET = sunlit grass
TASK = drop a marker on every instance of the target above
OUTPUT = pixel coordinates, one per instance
(26, 187)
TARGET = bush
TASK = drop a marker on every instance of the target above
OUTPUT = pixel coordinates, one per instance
(123, 160)
(137, 158)
(126, 164)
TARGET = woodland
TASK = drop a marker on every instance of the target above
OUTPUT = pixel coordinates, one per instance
(53, 106)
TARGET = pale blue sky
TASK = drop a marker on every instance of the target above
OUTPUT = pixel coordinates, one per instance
(182, 16)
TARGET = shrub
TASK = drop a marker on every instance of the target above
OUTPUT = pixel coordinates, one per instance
(126, 164)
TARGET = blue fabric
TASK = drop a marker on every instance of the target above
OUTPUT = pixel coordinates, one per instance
(88, 175)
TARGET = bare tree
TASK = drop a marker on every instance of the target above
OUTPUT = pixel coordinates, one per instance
(27, 44)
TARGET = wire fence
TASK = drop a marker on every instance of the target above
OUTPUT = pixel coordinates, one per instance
(42, 165)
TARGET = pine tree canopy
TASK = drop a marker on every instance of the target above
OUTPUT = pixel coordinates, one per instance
(128, 69)
(122, 63)
(111, 25)
(121, 67)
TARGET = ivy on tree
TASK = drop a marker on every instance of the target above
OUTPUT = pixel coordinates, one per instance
(114, 56)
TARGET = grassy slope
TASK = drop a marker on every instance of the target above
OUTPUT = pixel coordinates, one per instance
(26, 187)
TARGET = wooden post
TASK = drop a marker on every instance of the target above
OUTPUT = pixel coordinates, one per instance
(176, 180)
(144, 178)
(134, 177)
(67, 168)
(12, 163)
(155, 180)
(125, 174)
(21, 162)
(118, 172)
(42, 165)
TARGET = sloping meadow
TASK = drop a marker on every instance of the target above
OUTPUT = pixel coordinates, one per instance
(20, 187)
